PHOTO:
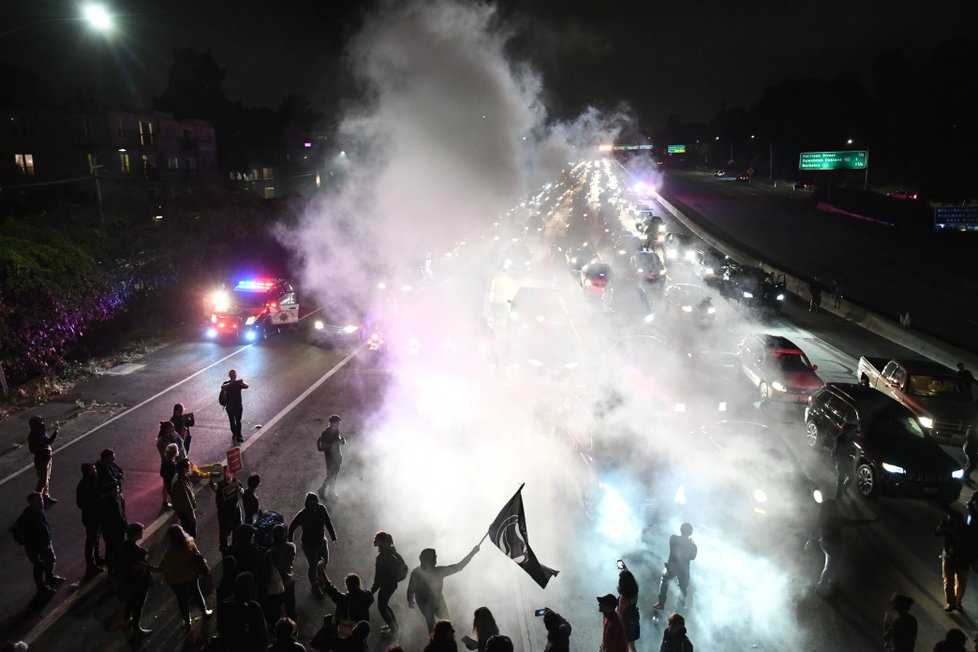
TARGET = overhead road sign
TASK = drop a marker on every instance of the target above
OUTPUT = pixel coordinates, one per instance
(956, 218)
(622, 148)
(843, 160)
(675, 149)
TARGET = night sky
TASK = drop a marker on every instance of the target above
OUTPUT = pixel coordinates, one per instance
(687, 58)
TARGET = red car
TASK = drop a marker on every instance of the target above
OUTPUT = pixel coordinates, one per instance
(780, 370)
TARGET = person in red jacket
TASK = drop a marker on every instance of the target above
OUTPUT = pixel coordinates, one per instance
(613, 636)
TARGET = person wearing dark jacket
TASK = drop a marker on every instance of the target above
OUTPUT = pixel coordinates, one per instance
(34, 533)
(39, 442)
(315, 523)
(134, 577)
(240, 620)
(278, 579)
(387, 574)
(232, 390)
(112, 522)
(284, 634)
(828, 533)
(227, 493)
(954, 641)
(427, 581)
(183, 497)
(682, 550)
(674, 637)
(108, 470)
(352, 606)
(899, 625)
(87, 496)
(249, 501)
(182, 421)
(558, 632)
(244, 549)
(229, 573)
(442, 638)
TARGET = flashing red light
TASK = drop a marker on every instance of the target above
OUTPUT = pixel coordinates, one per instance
(255, 285)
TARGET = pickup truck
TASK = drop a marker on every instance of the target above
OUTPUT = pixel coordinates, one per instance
(941, 400)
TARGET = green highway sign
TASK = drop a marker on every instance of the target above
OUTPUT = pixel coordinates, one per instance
(847, 160)
(676, 149)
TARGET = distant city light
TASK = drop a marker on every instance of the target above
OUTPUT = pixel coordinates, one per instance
(98, 17)
(307, 144)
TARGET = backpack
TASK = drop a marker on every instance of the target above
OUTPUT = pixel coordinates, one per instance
(222, 398)
(400, 567)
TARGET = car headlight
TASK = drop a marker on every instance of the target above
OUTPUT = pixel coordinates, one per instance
(622, 252)
(250, 321)
(350, 329)
(760, 496)
(318, 324)
(958, 475)
(780, 297)
(926, 422)
(778, 387)
(687, 308)
(641, 271)
(893, 468)
(748, 295)
(711, 310)
(649, 318)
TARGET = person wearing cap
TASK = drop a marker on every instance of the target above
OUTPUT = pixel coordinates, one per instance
(674, 637)
(330, 443)
(39, 442)
(613, 635)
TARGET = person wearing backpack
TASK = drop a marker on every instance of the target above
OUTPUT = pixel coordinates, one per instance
(390, 568)
(231, 393)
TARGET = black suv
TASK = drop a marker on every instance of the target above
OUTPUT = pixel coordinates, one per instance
(894, 454)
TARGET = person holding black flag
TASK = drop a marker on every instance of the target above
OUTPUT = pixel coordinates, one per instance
(427, 582)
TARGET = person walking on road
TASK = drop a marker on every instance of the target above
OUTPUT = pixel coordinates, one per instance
(184, 500)
(389, 569)
(252, 508)
(33, 531)
(828, 533)
(674, 637)
(168, 469)
(182, 566)
(39, 442)
(182, 422)
(613, 631)
(227, 493)
(682, 550)
(315, 523)
(245, 550)
(240, 620)
(330, 443)
(231, 389)
(87, 496)
(352, 606)
(135, 577)
(956, 558)
(899, 625)
(628, 606)
(815, 291)
(427, 583)
(112, 522)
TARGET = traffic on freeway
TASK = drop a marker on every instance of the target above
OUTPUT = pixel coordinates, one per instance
(626, 380)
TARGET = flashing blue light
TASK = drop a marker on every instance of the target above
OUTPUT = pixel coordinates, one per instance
(254, 285)
(250, 335)
(211, 333)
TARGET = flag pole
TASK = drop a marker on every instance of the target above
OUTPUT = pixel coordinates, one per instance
(490, 528)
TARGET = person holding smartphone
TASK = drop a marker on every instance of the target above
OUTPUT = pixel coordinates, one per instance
(39, 442)
(628, 605)
(558, 631)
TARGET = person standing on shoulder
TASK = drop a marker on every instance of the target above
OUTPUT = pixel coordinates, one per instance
(134, 577)
(674, 637)
(682, 550)
(108, 471)
(33, 531)
(231, 390)
(315, 522)
(330, 443)
(39, 442)
(899, 625)
(113, 522)
(389, 569)
(613, 632)
(87, 496)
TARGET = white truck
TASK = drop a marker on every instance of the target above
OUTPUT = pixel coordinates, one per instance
(939, 397)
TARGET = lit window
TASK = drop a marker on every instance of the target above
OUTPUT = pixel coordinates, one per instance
(266, 173)
(146, 137)
(25, 163)
(124, 164)
(173, 162)
(268, 192)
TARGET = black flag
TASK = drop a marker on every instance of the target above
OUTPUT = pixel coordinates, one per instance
(508, 532)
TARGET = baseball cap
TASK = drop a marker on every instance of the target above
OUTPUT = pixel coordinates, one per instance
(608, 600)
(335, 418)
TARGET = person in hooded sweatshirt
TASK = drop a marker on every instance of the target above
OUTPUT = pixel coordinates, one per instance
(240, 619)
(558, 632)
(674, 637)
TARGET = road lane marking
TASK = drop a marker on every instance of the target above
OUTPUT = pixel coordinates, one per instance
(85, 435)
(84, 589)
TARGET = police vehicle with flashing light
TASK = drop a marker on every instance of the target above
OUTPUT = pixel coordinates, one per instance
(251, 309)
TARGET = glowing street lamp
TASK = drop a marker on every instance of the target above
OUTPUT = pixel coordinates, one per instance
(98, 17)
